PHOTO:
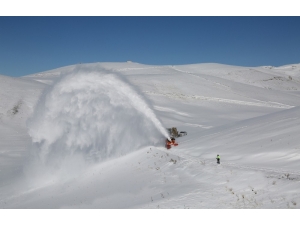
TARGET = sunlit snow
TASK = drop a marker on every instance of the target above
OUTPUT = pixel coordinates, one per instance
(92, 136)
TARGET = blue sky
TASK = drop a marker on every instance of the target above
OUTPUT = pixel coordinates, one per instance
(35, 44)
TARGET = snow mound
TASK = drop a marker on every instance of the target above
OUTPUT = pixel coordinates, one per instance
(92, 114)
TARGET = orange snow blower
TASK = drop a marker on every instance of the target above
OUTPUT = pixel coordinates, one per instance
(170, 143)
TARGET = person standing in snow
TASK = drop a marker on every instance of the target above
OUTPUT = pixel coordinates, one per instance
(218, 159)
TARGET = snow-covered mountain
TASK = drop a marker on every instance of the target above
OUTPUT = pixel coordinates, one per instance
(92, 136)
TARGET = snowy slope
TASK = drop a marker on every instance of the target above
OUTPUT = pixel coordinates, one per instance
(17, 100)
(250, 116)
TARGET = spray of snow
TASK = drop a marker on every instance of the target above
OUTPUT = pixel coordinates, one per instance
(90, 115)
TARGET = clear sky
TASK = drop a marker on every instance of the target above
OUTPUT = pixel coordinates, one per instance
(34, 44)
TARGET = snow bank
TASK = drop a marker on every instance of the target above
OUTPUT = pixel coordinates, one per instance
(90, 115)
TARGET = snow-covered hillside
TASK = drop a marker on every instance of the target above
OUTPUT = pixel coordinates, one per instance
(92, 136)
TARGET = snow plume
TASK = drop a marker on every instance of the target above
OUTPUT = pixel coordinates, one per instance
(90, 115)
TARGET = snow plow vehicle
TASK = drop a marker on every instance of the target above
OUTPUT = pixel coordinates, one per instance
(170, 143)
(174, 134)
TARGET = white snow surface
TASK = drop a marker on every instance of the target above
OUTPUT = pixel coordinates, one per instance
(92, 136)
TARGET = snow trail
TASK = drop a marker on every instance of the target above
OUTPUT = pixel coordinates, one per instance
(222, 100)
